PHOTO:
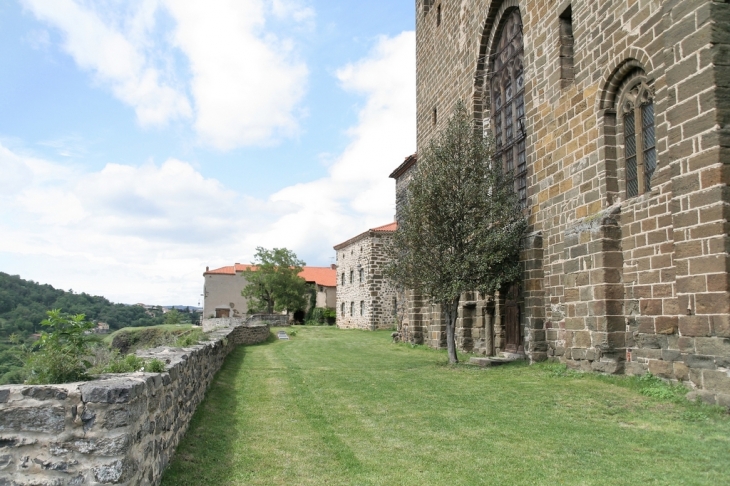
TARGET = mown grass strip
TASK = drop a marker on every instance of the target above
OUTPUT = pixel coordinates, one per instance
(349, 407)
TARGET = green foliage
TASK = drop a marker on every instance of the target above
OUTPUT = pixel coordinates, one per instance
(124, 364)
(61, 352)
(461, 225)
(24, 303)
(190, 338)
(321, 316)
(274, 284)
(651, 386)
(155, 366)
(173, 317)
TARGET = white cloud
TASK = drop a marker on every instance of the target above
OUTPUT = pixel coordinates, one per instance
(108, 51)
(357, 193)
(145, 233)
(246, 81)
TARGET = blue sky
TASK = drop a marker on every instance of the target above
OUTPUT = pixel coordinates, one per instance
(142, 141)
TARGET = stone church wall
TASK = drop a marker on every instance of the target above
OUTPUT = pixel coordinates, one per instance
(120, 429)
(612, 283)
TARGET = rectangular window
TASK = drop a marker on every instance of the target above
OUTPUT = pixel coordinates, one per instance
(342, 308)
(649, 143)
(362, 275)
(632, 182)
(343, 278)
(352, 308)
(352, 276)
(567, 68)
(362, 307)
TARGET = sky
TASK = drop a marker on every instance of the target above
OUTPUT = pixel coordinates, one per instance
(141, 141)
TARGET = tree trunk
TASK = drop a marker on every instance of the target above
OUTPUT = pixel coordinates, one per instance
(451, 308)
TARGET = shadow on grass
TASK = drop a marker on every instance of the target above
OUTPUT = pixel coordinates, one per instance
(205, 454)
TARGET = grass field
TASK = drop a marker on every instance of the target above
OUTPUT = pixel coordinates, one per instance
(341, 407)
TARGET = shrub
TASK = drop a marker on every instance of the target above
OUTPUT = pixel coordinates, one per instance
(190, 338)
(60, 353)
(124, 364)
(155, 366)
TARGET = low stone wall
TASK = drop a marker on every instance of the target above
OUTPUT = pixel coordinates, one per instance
(274, 320)
(119, 429)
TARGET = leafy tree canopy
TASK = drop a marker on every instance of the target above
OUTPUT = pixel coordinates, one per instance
(462, 223)
(274, 284)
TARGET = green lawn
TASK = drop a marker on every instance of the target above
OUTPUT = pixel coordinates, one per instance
(349, 408)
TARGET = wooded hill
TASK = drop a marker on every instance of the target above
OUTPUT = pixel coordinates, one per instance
(23, 305)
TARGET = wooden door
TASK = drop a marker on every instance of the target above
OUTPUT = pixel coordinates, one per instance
(222, 313)
(513, 338)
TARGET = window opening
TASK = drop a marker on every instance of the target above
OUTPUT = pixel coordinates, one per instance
(343, 278)
(352, 308)
(362, 307)
(438, 15)
(342, 308)
(507, 91)
(362, 275)
(352, 276)
(639, 139)
(427, 4)
(567, 68)
(434, 116)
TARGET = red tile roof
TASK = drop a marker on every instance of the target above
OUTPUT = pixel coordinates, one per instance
(326, 276)
(386, 228)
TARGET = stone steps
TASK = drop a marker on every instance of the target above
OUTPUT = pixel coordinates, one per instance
(501, 359)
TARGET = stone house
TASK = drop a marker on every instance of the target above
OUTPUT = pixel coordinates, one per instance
(365, 298)
(222, 289)
(615, 116)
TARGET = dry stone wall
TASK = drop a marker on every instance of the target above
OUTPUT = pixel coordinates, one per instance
(119, 429)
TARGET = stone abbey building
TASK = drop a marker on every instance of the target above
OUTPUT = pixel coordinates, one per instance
(616, 117)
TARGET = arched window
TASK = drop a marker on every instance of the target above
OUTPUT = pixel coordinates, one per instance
(507, 92)
(637, 111)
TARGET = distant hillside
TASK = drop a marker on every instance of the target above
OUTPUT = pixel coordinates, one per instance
(23, 305)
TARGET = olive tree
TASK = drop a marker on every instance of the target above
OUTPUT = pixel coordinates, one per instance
(462, 223)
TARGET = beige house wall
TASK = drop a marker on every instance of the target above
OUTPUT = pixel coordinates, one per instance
(224, 292)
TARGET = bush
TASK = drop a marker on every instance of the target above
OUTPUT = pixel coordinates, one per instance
(125, 364)
(321, 316)
(190, 338)
(60, 355)
(155, 366)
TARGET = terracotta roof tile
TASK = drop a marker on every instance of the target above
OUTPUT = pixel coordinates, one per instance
(325, 276)
(386, 228)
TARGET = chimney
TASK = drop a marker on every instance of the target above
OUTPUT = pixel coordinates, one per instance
(333, 266)
(207, 268)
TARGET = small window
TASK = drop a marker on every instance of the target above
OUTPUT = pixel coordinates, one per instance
(567, 69)
(352, 308)
(438, 15)
(362, 307)
(434, 116)
(427, 4)
(352, 276)
(395, 306)
(343, 278)
(342, 308)
(362, 275)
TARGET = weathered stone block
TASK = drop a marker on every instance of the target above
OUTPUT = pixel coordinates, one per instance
(661, 368)
(716, 381)
(33, 419)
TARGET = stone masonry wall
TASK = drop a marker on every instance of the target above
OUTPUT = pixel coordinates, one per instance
(119, 429)
(612, 283)
(374, 291)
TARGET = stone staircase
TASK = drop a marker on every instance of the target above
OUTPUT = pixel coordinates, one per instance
(502, 358)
